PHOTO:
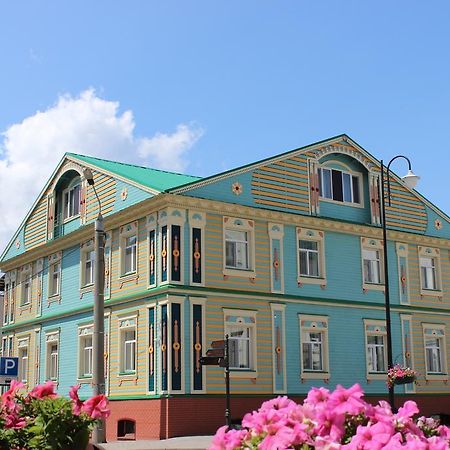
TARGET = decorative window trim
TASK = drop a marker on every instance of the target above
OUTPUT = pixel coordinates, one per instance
(241, 315)
(84, 330)
(200, 349)
(403, 279)
(379, 330)
(278, 346)
(358, 175)
(51, 338)
(126, 231)
(9, 301)
(152, 253)
(126, 323)
(316, 325)
(26, 276)
(85, 249)
(197, 219)
(38, 275)
(431, 253)
(276, 233)
(245, 225)
(306, 234)
(52, 261)
(373, 244)
(435, 327)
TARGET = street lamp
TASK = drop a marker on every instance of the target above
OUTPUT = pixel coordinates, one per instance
(410, 180)
(98, 338)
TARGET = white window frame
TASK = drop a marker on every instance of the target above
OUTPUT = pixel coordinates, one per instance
(54, 262)
(23, 345)
(245, 319)
(435, 331)
(26, 285)
(375, 328)
(51, 369)
(370, 244)
(434, 255)
(344, 170)
(314, 324)
(69, 210)
(84, 333)
(127, 324)
(86, 249)
(246, 226)
(317, 236)
(126, 232)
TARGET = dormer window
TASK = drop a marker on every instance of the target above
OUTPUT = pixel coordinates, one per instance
(71, 200)
(339, 186)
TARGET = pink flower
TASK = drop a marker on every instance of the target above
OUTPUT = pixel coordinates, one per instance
(372, 437)
(228, 439)
(347, 400)
(96, 407)
(317, 396)
(77, 403)
(44, 390)
(7, 397)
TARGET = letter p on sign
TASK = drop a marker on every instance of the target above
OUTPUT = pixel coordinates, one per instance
(9, 366)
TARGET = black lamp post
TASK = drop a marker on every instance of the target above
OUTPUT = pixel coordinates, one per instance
(410, 180)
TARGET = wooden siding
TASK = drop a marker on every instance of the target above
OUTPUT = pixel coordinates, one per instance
(36, 226)
(214, 258)
(106, 191)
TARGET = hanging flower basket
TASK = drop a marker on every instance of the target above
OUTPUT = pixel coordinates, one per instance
(405, 380)
(400, 375)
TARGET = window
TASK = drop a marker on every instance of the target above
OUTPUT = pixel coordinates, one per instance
(54, 279)
(376, 362)
(130, 254)
(430, 271)
(372, 264)
(87, 264)
(310, 256)
(128, 249)
(23, 360)
(240, 326)
(435, 356)
(238, 247)
(128, 345)
(52, 356)
(85, 352)
(26, 283)
(71, 201)
(372, 268)
(339, 186)
(314, 346)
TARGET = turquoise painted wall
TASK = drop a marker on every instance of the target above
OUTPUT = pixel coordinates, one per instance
(13, 250)
(134, 195)
(347, 356)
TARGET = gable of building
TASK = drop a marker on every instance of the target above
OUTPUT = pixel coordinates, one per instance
(295, 182)
(68, 202)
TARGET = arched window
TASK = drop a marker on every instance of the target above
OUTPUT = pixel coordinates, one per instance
(126, 430)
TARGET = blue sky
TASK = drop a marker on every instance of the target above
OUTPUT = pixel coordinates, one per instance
(220, 84)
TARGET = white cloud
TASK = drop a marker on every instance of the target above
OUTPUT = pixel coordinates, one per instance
(167, 150)
(87, 124)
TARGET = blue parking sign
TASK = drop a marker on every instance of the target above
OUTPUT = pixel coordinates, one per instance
(9, 366)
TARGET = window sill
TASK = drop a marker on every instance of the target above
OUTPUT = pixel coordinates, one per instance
(25, 306)
(243, 373)
(431, 292)
(374, 287)
(54, 298)
(127, 374)
(312, 280)
(69, 219)
(314, 375)
(87, 288)
(376, 376)
(243, 273)
(436, 376)
(337, 202)
(84, 380)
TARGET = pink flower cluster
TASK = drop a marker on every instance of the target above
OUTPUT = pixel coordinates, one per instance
(10, 412)
(330, 421)
(398, 372)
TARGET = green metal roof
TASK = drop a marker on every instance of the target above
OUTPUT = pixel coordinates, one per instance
(158, 180)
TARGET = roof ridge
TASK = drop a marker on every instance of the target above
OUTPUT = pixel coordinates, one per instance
(132, 165)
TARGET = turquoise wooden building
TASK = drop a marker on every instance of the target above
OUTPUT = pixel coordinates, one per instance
(284, 255)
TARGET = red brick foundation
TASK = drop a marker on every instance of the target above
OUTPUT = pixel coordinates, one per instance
(198, 415)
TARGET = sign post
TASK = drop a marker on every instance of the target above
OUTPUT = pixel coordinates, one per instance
(218, 355)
